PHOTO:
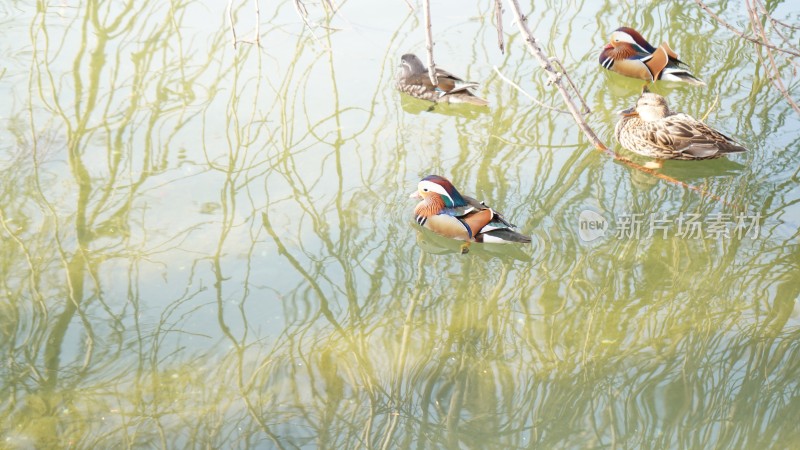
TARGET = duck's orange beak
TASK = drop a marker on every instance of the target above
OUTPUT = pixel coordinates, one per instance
(628, 112)
(416, 195)
(608, 46)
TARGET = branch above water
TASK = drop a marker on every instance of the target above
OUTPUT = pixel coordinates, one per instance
(555, 77)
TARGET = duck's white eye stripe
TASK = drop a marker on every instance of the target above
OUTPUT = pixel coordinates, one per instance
(426, 186)
(623, 37)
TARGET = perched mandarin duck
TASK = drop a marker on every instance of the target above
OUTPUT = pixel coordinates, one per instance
(445, 211)
(629, 54)
(651, 129)
(413, 79)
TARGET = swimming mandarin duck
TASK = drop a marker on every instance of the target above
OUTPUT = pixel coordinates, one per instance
(629, 54)
(413, 79)
(651, 129)
(445, 211)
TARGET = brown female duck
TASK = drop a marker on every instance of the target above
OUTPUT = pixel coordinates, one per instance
(413, 79)
(651, 129)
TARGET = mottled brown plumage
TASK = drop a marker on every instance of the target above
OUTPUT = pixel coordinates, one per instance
(651, 129)
(413, 79)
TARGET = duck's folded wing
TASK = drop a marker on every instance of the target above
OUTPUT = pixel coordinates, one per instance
(692, 137)
(498, 220)
(441, 73)
(711, 148)
(700, 149)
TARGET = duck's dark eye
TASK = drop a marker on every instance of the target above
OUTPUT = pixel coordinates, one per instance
(425, 189)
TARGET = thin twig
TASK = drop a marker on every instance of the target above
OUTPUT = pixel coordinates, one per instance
(429, 42)
(713, 105)
(236, 40)
(556, 79)
(498, 17)
(769, 63)
(741, 34)
(303, 13)
(258, 24)
(555, 76)
(586, 109)
(300, 7)
(763, 10)
(776, 21)
(772, 68)
(524, 92)
(230, 19)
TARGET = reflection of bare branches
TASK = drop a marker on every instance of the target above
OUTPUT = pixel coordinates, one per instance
(402, 354)
(741, 34)
(555, 76)
(87, 333)
(758, 15)
(711, 108)
(328, 332)
(772, 67)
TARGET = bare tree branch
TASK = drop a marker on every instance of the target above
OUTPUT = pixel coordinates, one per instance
(555, 77)
(776, 24)
(563, 71)
(429, 41)
(759, 17)
(772, 67)
(741, 34)
(498, 16)
(257, 39)
(230, 20)
(525, 93)
(300, 7)
(258, 24)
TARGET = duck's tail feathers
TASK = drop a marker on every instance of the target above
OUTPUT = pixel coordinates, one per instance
(681, 75)
(502, 236)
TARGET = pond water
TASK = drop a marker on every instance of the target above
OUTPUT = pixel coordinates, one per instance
(211, 246)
